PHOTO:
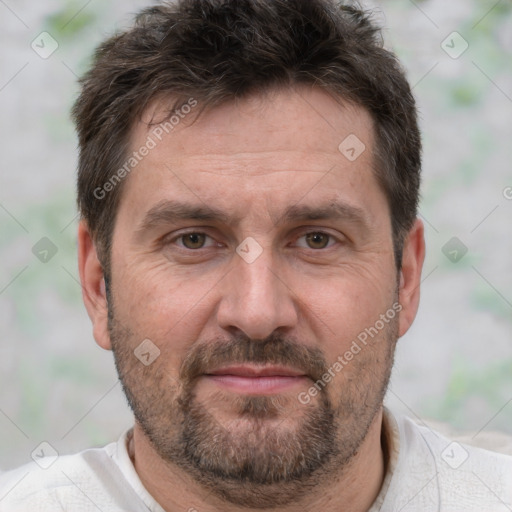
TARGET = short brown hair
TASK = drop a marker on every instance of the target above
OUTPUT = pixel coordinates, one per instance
(221, 50)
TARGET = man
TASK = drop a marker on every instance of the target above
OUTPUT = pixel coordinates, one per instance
(249, 250)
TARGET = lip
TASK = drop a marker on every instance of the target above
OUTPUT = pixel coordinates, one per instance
(257, 380)
(257, 371)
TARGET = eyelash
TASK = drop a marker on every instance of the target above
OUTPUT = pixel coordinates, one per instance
(182, 235)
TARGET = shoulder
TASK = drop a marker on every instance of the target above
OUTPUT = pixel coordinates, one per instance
(488, 440)
(448, 472)
(80, 481)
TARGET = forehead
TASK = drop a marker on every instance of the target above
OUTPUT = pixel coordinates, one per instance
(268, 149)
(275, 119)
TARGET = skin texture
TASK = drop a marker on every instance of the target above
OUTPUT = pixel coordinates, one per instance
(301, 303)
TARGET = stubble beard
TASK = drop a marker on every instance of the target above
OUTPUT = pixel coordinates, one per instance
(277, 450)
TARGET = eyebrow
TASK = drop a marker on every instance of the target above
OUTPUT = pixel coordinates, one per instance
(331, 211)
(168, 212)
(171, 211)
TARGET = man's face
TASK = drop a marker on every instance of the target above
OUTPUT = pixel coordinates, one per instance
(269, 286)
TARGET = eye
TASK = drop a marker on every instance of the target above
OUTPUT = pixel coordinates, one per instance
(193, 240)
(317, 240)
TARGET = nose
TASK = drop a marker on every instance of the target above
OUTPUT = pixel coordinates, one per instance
(256, 298)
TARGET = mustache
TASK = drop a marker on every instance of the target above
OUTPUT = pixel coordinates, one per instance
(275, 349)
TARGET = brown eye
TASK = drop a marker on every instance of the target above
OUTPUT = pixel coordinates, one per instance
(193, 240)
(317, 240)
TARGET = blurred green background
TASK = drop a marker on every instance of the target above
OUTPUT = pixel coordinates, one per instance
(455, 364)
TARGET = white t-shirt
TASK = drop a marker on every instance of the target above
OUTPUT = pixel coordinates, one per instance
(426, 472)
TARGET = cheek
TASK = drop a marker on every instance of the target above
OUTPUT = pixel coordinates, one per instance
(156, 304)
(346, 303)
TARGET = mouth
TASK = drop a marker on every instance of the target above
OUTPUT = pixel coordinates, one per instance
(257, 380)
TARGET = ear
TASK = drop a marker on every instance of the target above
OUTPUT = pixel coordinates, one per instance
(413, 256)
(93, 286)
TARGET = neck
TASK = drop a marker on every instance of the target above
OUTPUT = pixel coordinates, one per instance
(354, 487)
